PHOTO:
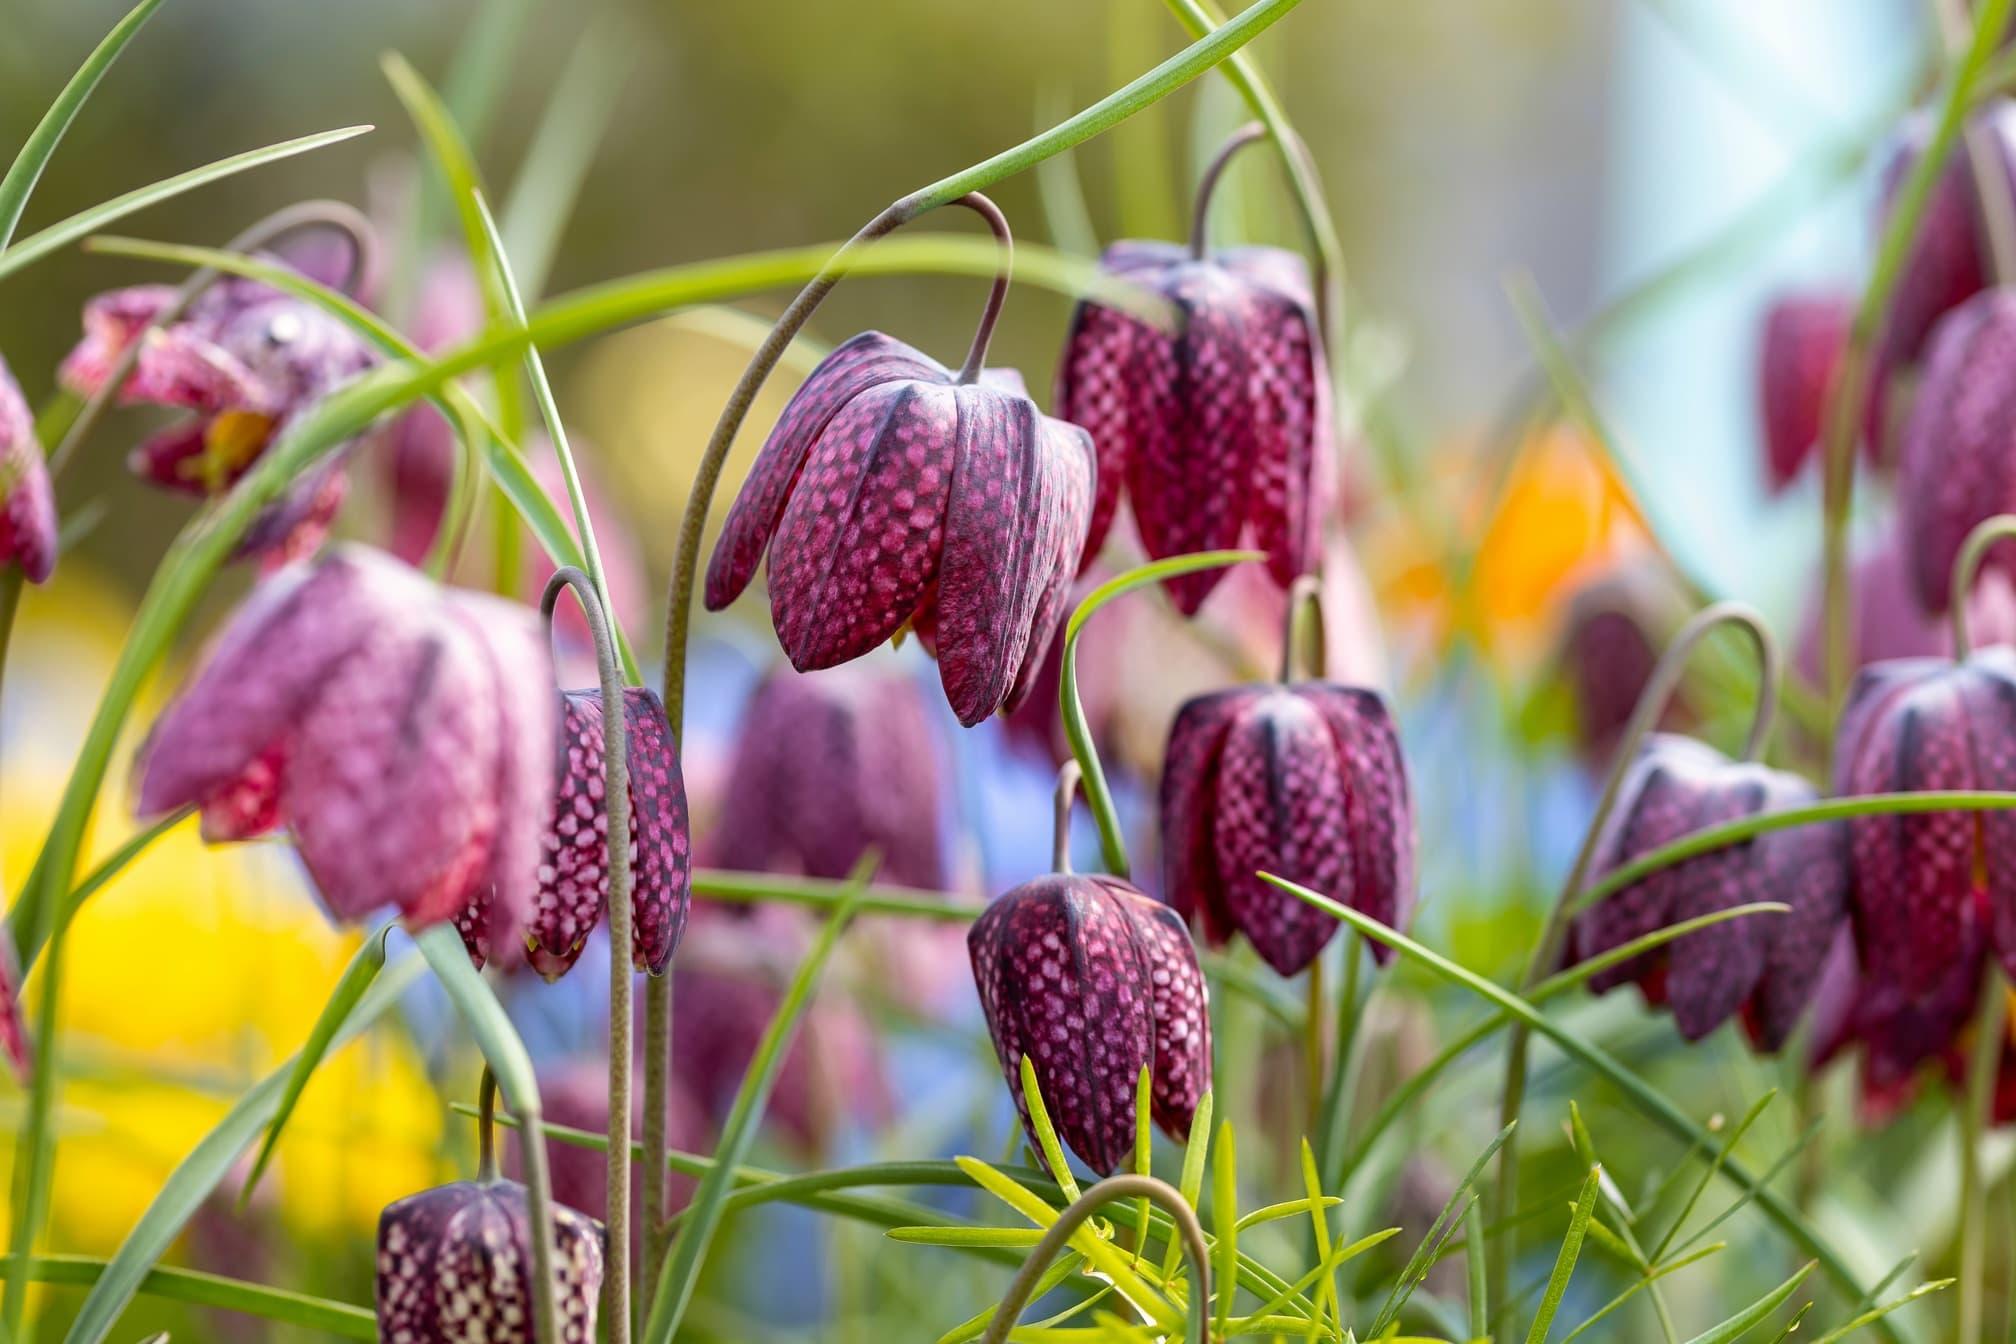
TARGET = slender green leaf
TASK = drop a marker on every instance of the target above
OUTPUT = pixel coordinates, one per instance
(278, 1305)
(1877, 1313)
(1748, 1319)
(966, 1236)
(40, 146)
(1564, 1263)
(562, 150)
(356, 978)
(198, 1175)
(1453, 1212)
(1046, 1133)
(1640, 1285)
(1473, 1262)
(1225, 1222)
(974, 1326)
(85, 222)
(1722, 1152)
(489, 1025)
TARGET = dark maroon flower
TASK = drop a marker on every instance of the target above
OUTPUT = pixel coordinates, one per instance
(1769, 966)
(573, 870)
(897, 495)
(244, 359)
(13, 1028)
(731, 979)
(27, 505)
(1221, 427)
(826, 766)
(1616, 625)
(1947, 263)
(1094, 981)
(402, 730)
(1304, 781)
(1957, 465)
(455, 1264)
(1804, 335)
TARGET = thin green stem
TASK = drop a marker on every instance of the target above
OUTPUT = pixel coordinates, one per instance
(278, 1305)
(1305, 594)
(486, 1126)
(1990, 1035)
(1645, 715)
(1965, 565)
(1207, 184)
(1068, 775)
(1849, 393)
(616, 851)
(1112, 1190)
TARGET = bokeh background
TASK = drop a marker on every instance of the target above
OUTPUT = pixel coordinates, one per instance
(1659, 168)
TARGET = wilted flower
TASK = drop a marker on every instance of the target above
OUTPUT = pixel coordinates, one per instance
(244, 359)
(27, 505)
(1767, 965)
(455, 1263)
(573, 872)
(1948, 260)
(1804, 335)
(897, 494)
(402, 730)
(1221, 427)
(1957, 466)
(1094, 981)
(1305, 781)
(827, 766)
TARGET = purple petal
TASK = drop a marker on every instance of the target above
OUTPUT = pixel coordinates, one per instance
(1181, 1072)
(1379, 801)
(27, 504)
(1189, 805)
(857, 365)
(1807, 868)
(1988, 698)
(660, 891)
(1712, 971)
(1093, 391)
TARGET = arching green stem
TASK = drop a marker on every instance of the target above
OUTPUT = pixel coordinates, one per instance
(616, 848)
(1207, 185)
(1547, 948)
(2002, 527)
(1114, 1189)
(1305, 594)
(1098, 797)
(1068, 775)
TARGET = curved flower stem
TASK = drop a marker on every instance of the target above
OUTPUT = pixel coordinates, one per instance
(1645, 716)
(1966, 565)
(304, 217)
(1111, 1190)
(976, 354)
(1068, 775)
(616, 842)
(1850, 388)
(1207, 185)
(1306, 591)
(486, 1127)
(1990, 1032)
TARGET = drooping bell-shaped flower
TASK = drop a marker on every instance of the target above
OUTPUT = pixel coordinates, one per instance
(1957, 463)
(244, 360)
(1948, 261)
(826, 766)
(403, 732)
(1305, 781)
(1616, 624)
(894, 492)
(1803, 338)
(27, 504)
(1219, 427)
(1767, 966)
(455, 1265)
(573, 870)
(1094, 981)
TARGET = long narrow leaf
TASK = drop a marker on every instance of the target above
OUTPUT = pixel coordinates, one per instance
(40, 146)
(1748, 1319)
(1564, 1263)
(278, 1305)
(86, 222)
(489, 1025)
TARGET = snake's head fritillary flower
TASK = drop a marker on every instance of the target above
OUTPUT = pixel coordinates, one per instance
(27, 504)
(13, 1027)
(826, 766)
(1616, 624)
(1948, 261)
(1094, 981)
(455, 1264)
(890, 494)
(1767, 965)
(1957, 463)
(573, 870)
(1305, 781)
(1220, 427)
(403, 731)
(243, 360)
(1804, 335)
(1932, 890)
(1886, 620)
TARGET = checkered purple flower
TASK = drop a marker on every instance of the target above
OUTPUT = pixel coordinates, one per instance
(455, 1266)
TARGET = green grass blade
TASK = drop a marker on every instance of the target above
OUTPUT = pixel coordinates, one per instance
(350, 987)
(1878, 1312)
(279, 1305)
(562, 150)
(1473, 1264)
(1046, 1133)
(1453, 1211)
(1722, 1152)
(1224, 1223)
(86, 222)
(1658, 1272)
(199, 1174)
(688, 1251)
(40, 146)
(1646, 1099)
(1564, 1263)
(1190, 1184)
(1748, 1319)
